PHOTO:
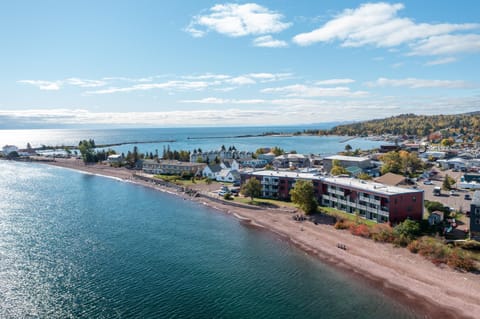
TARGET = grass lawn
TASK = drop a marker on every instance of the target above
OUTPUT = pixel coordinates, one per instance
(264, 202)
(335, 212)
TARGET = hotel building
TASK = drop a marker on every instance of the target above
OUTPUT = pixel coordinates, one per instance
(369, 200)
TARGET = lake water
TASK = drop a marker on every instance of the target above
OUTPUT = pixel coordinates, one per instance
(80, 246)
(209, 138)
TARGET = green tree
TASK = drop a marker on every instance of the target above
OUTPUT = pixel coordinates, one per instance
(408, 229)
(432, 206)
(448, 182)
(278, 151)
(337, 169)
(303, 195)
(392, 162)
(87, 150)
(364, 176)
(348, 148)
(252, 188)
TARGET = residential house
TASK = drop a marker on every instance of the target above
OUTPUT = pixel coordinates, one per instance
(228, 175)
(211, 171)
(391, 179)
(436, 217)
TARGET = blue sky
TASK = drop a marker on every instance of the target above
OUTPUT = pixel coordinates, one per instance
(181, 63)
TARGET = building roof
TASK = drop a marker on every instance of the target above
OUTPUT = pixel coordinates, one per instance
(390, 179)
(215, 168)
(347, 158)
(370, 186)
(341, 181)
(476, 198)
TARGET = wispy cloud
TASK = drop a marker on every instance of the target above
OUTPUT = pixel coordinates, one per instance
(57, 85)
(237, 20)
(268, 41)
(215, 100)
(378, 24)
(43, 85)
(169, 85)
(414, 83)
(302, 90)
(198, 82)
(335, 82)
(441, 61)
(447, 44)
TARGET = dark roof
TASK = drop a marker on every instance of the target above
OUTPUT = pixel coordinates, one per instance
(391, 179)
(215, 168)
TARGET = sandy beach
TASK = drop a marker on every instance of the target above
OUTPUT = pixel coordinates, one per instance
(435, 292)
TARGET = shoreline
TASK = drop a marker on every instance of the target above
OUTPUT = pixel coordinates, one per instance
(430, 291)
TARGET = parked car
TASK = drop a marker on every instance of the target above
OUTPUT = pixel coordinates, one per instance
(427, 182)
(453, 193)
(467, 197)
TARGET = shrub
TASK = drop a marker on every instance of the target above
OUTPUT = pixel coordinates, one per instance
(382, 233)
(460, 261)
(361, 230)
(401, 240)
(469, 245)
(414, 246)
(343, 224)
(228, 196)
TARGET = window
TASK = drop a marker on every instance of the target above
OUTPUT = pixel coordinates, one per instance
(477, 221)
(414, 198)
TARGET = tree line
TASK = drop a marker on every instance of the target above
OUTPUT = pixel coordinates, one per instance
(409, 124)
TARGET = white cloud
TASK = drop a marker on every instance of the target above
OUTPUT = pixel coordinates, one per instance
(378, 24)
(169, 85)
(334, 81)
(215, 100)
(43, 85)
(237, 20)
(315, 91)
(268, 41)
(57, 85)
(441, 61)
(414, 83)
(447, 44)
(84, 83)
(241, 80)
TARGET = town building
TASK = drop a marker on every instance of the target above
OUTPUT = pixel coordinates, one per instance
(170, 167)
(370, 200)
(475, 216)
(469, 181)
(220, 155)
(346, 161)
(7, 149)
(291, 161)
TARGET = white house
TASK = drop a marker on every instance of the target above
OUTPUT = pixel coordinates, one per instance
(228, 175)
(115, 158)
(7, 149)
(211, 171)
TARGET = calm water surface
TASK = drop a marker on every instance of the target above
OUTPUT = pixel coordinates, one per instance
(209, 138)
(80, 246)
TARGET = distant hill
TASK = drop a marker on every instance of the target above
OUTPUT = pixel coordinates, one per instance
(409, 124)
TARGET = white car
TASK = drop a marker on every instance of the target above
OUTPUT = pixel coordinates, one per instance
(427, 182)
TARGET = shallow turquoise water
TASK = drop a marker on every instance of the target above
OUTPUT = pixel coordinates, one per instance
(80, 246)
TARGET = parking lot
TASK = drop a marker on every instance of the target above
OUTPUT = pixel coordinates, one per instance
(456, 201)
